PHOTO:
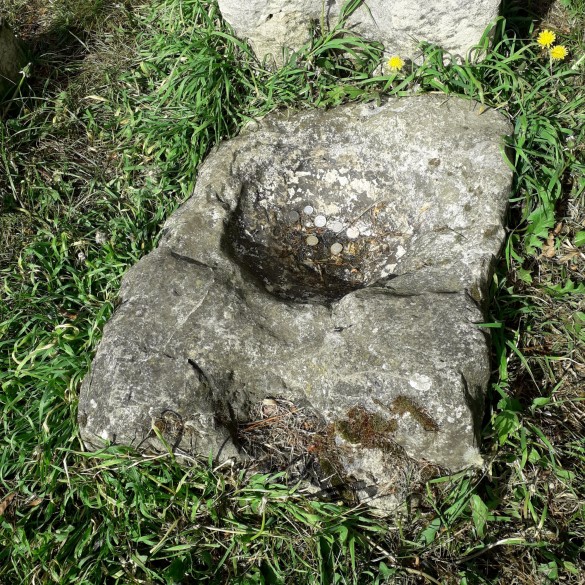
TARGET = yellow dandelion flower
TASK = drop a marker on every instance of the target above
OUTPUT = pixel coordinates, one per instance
(546, 38)
(395, 63)
(558, 53)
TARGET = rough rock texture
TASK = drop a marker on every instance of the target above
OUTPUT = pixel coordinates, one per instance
(379, 337)
(399, 25)
(12, 60)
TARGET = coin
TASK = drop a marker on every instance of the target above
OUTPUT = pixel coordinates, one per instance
(335, 226)
(320, 221)
(352, 233)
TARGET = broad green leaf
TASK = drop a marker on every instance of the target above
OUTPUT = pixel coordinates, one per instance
(539, 402)
(525, 275)
(479, 514)
(429, 534)
(579, 239)
(505, 423)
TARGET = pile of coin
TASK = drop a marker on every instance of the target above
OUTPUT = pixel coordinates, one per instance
(320, 221)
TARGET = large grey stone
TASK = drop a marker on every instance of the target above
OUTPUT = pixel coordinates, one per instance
(12, 60)
(399, 25)
(380, 339)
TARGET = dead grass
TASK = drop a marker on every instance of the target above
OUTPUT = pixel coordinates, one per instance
(284, 438)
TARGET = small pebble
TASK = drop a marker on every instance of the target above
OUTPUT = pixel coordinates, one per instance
(100, 237)
(269, 407)
(320, 221)
(335, 226)
(292, 216)
(336, 248)
(352, 233)
(312, 240)
(308, 210)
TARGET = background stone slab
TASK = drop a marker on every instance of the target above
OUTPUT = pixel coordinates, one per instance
(399, 25)
(12, 60)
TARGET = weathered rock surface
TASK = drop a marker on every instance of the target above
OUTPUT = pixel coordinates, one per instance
(12, 60)
(379, 337)
(399, 25)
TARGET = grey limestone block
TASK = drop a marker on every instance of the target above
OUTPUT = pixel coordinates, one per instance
(12, 60)
(400, 25)
(336, 259)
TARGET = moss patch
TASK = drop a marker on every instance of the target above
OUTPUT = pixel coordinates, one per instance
(403, 404)
(475, 293)
(365, 427)
(329, 456)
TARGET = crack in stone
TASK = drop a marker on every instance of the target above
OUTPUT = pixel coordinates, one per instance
(188, 259)
(201, 375)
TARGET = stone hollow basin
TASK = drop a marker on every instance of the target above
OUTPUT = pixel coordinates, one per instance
(315, 248)
(336, 260)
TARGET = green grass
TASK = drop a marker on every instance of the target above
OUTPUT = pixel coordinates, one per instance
(103, 146)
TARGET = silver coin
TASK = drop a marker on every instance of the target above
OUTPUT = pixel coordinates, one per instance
(335, 226)
(320, 221)
(336, 248)
(308, 210)
(312, 240)
(352, 233)
(292, 216)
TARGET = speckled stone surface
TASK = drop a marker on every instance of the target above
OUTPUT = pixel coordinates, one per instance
(400, 25)
(238, 304)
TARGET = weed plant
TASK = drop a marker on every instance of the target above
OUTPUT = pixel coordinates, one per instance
(96, 156)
